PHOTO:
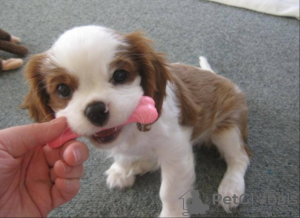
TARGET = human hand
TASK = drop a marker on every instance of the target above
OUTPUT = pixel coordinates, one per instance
(35, 178)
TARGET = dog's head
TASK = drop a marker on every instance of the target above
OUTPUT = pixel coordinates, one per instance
(95, 77)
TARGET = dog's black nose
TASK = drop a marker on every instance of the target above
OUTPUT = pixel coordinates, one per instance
(97, 113)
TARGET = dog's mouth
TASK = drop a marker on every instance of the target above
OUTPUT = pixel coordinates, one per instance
(107, 136)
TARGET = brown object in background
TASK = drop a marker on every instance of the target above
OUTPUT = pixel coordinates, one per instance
(8, 43)
(13, 48)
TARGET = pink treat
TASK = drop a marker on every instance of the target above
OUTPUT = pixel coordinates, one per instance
(66, 136)
(144, 113)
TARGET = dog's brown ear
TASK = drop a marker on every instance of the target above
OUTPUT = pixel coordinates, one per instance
(152, 67)
(36, 100)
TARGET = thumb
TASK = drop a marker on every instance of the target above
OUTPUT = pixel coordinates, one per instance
(20, 139)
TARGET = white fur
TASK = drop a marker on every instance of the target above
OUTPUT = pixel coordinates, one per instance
(237, 89)
(86, 53)
(148, 149)
(83, 53)
(204, 64)
(231, 148)
(134, 152)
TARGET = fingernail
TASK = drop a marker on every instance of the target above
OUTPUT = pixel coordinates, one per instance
(77, 155)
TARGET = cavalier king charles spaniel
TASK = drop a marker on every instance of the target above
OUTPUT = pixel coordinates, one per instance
(95, 77)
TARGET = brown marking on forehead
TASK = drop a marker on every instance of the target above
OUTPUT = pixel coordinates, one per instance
(53, 78)
(123, 61)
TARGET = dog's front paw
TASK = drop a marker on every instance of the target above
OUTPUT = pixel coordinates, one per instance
(233, 187)
(117, 177)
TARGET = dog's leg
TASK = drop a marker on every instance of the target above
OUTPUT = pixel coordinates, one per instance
(122, 172)
(232, 147)
(178, 176)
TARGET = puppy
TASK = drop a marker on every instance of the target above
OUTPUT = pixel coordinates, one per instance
(95, 77)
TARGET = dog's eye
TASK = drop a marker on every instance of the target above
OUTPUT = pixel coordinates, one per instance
(120, 76)
(63, 90)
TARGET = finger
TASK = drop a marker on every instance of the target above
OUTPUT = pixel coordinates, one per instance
(51, 155)
(75, 153)
(20, 139)
(53, 176)
(64, 190)
(54, 154)
(63, 170)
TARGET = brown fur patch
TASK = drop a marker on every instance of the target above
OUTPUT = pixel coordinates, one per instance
(151, 66)
(53, 79)
(209, 102)
(124, 62)
(43, 78)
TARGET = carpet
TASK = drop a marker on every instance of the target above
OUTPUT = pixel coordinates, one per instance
(259, 52)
